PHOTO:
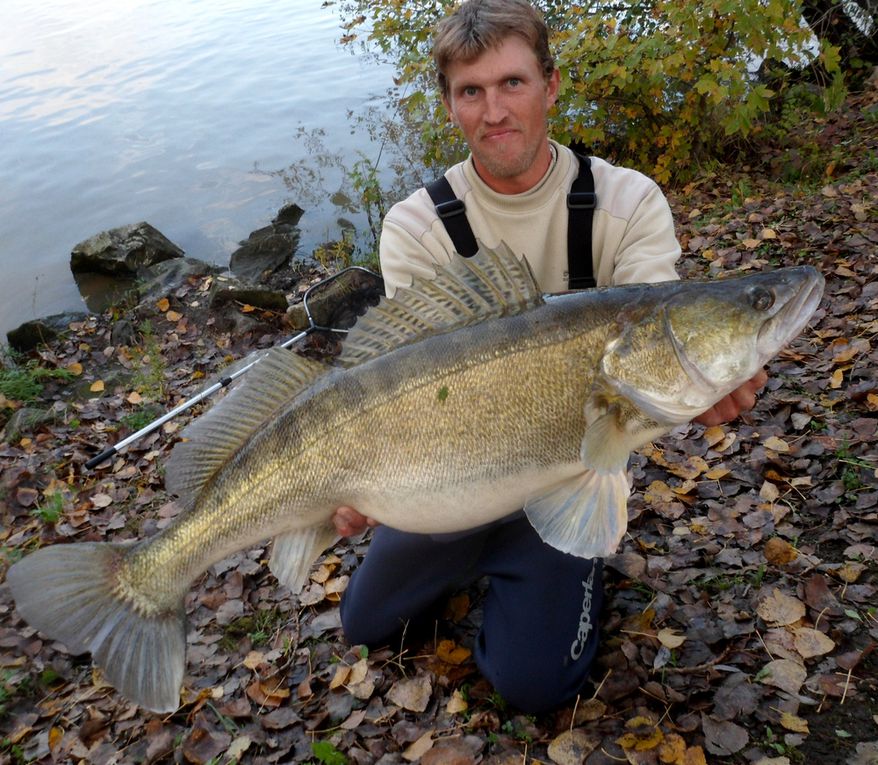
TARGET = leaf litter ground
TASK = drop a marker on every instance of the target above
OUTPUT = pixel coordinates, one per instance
(740, 625)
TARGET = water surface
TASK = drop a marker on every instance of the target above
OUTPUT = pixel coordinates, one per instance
(189, 114)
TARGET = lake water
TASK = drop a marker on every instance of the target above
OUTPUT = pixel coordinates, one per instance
(189, 114)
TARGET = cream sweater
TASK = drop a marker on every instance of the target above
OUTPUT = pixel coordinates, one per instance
(633, 232)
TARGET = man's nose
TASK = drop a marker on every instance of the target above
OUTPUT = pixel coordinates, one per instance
(495, 106)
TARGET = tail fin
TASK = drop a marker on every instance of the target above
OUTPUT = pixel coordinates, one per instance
(69, 593)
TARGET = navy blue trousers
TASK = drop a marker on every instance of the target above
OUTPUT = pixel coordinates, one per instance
(539, 634)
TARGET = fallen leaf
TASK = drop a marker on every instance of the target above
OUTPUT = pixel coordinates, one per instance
(342, 672)
(456, 704)
(670, 639)
(97, 386)
(411, 693)
(572, 747)
(776, 444)
(723, 738)
(448, 651)
(134, 398)
(163, 304)
(419, 748)
(173, 316)
(794, 723)
(101, 500)
(849, 572)
(779, 552)
(75, 368)
(780, 609)
(784, 674)
(837, 379)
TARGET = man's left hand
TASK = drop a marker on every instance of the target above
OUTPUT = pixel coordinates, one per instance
(739, 400)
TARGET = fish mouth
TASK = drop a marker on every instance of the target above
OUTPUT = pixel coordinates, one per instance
(792, 317)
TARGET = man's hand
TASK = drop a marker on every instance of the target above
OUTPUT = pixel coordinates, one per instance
(740, 400)
(349, 523)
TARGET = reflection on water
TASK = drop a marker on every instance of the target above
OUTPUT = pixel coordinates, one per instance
(190, 114)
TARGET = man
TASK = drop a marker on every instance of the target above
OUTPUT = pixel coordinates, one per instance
(498, 81)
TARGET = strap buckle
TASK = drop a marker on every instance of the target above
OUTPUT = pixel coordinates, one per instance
(582, 200)
(450, 209)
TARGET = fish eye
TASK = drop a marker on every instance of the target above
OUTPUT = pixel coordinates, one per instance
(761, 299)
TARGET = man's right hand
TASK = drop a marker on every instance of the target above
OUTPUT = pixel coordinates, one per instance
(349, 523)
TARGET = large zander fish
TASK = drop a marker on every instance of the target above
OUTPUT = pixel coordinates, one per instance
(459, 401)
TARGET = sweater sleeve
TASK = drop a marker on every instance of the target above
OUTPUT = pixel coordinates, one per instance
(413, 242)
(648, 248)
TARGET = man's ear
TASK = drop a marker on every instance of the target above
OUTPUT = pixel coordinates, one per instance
(447, 106)
(553, 85)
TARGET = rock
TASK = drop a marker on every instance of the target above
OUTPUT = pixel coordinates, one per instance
(159, 280)
(25, 421)
(268, 248)
(227, 289)
(123, 251)
(36, 332)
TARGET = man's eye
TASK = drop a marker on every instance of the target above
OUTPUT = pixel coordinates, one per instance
(514, 82)
(470, 91)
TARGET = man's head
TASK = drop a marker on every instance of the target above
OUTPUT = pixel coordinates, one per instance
(498, 83)
(478, 25)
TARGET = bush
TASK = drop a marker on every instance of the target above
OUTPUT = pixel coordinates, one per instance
(657, 85)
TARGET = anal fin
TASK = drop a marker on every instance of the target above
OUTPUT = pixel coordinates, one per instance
(585, 515)
(294, 553)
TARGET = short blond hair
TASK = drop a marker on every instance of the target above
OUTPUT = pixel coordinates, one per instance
(478, 25)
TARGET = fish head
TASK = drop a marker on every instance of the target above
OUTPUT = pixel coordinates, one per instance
(708, 338)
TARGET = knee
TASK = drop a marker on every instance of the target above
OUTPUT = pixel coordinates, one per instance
(364, 625)
(536, 689)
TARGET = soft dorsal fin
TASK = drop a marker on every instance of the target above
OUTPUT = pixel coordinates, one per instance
(216, 435)
(492, 283)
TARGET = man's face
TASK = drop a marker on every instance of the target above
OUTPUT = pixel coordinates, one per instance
(500, 101)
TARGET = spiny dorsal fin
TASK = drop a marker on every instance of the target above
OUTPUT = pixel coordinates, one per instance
(492, 283)
(218, 433)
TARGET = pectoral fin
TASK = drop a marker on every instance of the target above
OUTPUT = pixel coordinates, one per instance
(293, 554)
(585, 515)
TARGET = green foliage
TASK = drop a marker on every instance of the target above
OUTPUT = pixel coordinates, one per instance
(327, 754)
(50, 511)
(149, 377)
(657, 85)
(24, 382)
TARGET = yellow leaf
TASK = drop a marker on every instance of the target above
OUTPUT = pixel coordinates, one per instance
(247, 308)
(836, 380)
(173, 316)
(97, 387)
(452, 653)
(716, 473)
(794, 723)
(872, 402)
(25, 442)
(776, 444)
(163, 304)
(75, 368)
(810, 642)
(673, 750)
(768, 233)
(342, 672)
(670, 639)
(55, 736)
(779, 552)
(751, 244)
(134, 398)
(456, 704)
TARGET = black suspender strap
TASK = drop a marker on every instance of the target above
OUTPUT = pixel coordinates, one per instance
(581, 202)
(452, 212)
